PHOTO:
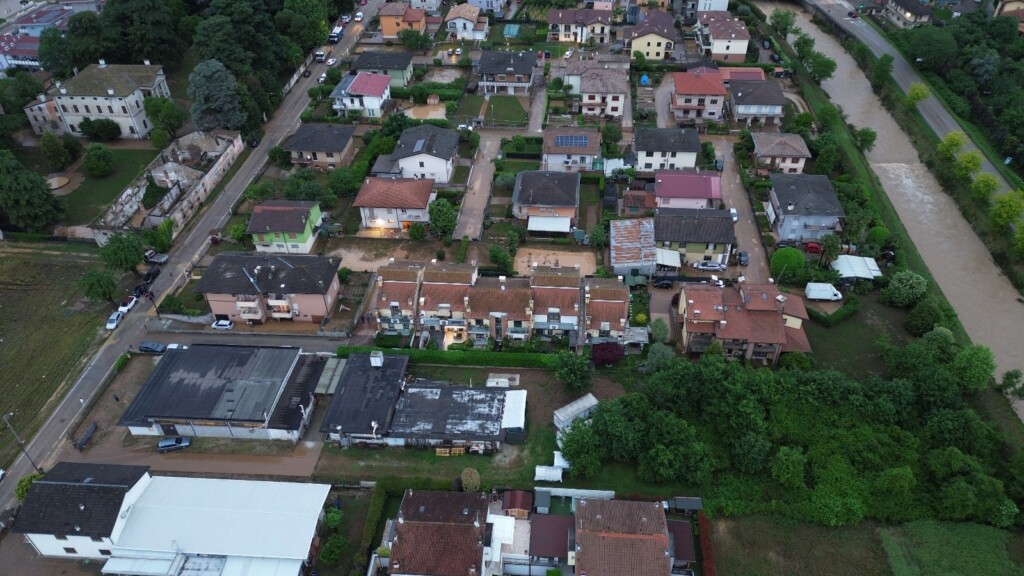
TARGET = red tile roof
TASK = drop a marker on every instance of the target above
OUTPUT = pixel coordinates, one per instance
(564, 299)
(20, 45)
(722, 25)
(437, 550)
(414, 15)
(703, 303)
(683, 184)
(611, 312)
(762, 297)
(517, 500)
(682, 536)
(616, 537)
(401, 270)
(549, 535)
(401, 292)
(741, 73)
(701, 81)
(409, 193)
(639, 199)
(367, 84)
(796, 341)
(434, 295)
(555, 276)
(487, 296)
(450, 273)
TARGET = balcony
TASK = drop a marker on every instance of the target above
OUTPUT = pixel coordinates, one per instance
(249, 311)
(479, 330)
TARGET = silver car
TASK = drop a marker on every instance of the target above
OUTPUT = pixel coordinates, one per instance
(709, 266)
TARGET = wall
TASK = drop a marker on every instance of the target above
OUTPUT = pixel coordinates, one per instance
(652, 46)
(655, 160)
(556, 162)
(437, 169)
(48, 545)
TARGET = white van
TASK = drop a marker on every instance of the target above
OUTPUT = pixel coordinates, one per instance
(822, 291)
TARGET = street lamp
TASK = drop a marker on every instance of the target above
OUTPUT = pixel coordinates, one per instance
(21, 443)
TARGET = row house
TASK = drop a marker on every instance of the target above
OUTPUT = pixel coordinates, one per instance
(606, 308)
(500, 308)
(444, 296)
(396, 295)
(721, 36)
(580, 25)
(506, 72)
(556, 297)
(699, 94)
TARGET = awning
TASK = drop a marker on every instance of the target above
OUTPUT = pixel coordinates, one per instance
(856, 267)
(143, 566)
(668, 257)
(549, 224)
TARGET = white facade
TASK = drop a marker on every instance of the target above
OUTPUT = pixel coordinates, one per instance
(646, 160)
(70, 546)
(369, 106)
(731, 49)
(763, 113)
(428, 5)
(395, 218)
(712, 5)
(601, 104)
(483, 5)
(464, 29)
(567, 162)
(427, 166)
(581, 33)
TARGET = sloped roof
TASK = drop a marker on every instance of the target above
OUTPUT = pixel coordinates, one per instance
(757, 93)
(426, 139)
(440, 533)
(806, 195)
(393, 9)
(517, 500)
(500, 62)
(545, 188)
(632, 242)
(730, 73)
(604, 81)
(722, 25)
(914, 7)
(383, 60)
(579, 16)
(433, 295)
(282, 216)
(367, 84)
(123, 79)
(683, 184)
(693, 225)
(695, 82)
(667, 140)
(615, 537)
(401, 271)
(555, 276)
(551, 536)
(492, 295)
(467, 11)
(555, 138)
(409, 193)
(319, 137)
(236, 273)
(450, 273)
(654, 22)
(768, 145)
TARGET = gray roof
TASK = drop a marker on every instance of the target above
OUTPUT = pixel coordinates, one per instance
(769, 145)
(385, 165)
(757, 93)
(315, 137)
(809, 194)
(123, 79)
(77, 499)
(694, 225)
(281, 216)
(914, 7)
(500, 62)
(220, 383)
(382, 60)
(246, 273)
(448, 412)
(365, 394)
(666, 140)
(543, 188)
(341, 90)
(426, 139)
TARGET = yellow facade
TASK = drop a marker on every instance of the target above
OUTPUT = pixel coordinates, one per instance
(652, 46)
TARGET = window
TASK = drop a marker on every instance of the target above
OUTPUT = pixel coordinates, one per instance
(713, 101)
(421, 165)
(647, 165)
(615, 98)
(687, 100)
(110, 109)
(659, 44)
(104, 552)
(657, 54)
(330, 154)
(648, 44)
(97, 539)
(615, 108)
(70, 551)
(75, 107)
(60, 537)
(87, 111)
(131, 129)
(63, 108)
(124, 110)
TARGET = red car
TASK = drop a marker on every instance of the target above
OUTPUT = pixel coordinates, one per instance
(812, 248)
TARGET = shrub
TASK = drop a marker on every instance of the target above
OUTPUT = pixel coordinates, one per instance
(103, 129)
(440, 254)
(21, 490)
(573, 370)
(848, 309)
(470, 480)
(121, 362)
(333, 550)
(332, 518)
(463, 249)
(462, 358)
(388, 340)
(343, 275)
(373, 515)
(417, 232)
(99, 161)
(905, 289)
(926, 315)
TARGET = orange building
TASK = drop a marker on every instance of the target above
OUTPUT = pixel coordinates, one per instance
(396, 16)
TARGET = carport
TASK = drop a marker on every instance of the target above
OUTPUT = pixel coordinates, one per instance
(549, 225)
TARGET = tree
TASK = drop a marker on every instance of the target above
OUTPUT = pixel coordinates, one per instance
(123, 252)
(1006, 210)
(984, 187)
(53, 52)
(881, 71)
(640, 62)
(343, 183)
(315, 13)
(905, 289)
(786, 261)
(505, 181)
(159, 139)
(926, 315)
(303, 185)
(820, 66)
(415, 41)
(804, 45)
(916, 94)
(281, 158)
(750, 452)
(574, 371)
(878, 236)
(893, 494)
(826, 152)
(216, 101)
(333, 550)
(967, 165)
(103, 129)
(611, 135)
(502, 259)
(782, 21)
(25, 197)
(98, 285)
(417, 232)
(974, 367)
(659, 329)
(658, 356)
(99, 161)
(582, 448)
(789, 468)
(865, 139)
(470, 480)
(598, 236)
(950, 145)
(931, 47)
(73, 145)
(607, 353)
(165, 114)
(24, 485)
(332, 518)
(141, 29)
(830, 248)
(53, 150)
(443, 217)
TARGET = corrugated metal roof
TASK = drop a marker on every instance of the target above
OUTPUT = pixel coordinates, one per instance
(514, 415)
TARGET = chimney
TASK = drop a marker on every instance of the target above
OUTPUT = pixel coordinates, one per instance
(42, 97)
(377, 359)
(380, 280)
(576, 306)
(790, 206)
(465, 302)
(110, 91)
(146, 62)
(502, 279)
(103, 63)
(423, 300)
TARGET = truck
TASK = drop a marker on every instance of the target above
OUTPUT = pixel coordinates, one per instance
(335, 35)
(321, 54)
(822, 291)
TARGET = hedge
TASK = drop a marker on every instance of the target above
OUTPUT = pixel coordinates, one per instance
(463, 249)
(849, 308)
(461, 357)
(707, 551)
(390, 486)
(373, 517)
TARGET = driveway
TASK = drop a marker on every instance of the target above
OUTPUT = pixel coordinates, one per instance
(478, 192)
(663, 101)
(748, 237)
(538, 104)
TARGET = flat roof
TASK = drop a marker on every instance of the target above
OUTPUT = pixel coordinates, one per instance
(449, 412)
(576, 406)
(215, 382)
(365, 394)
(513, 415)
(224, 517)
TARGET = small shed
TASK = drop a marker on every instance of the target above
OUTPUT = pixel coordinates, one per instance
(542, 500)
(684, 504)
(547, 474)
(853, 268)
(513, 417)
(579, 408)
(517, 503)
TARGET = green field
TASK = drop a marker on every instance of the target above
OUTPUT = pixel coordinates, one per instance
(92, 197)
(44, 332)
(941, 548)
(506, 110)
(851, 347)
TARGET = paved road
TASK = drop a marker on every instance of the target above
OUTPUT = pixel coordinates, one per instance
(663, 101)
(478, 192)
(539, 104)
(748, 237)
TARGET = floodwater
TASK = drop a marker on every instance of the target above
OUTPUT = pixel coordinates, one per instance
(984, 299)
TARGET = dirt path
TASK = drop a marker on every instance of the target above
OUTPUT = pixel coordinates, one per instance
(984, 299)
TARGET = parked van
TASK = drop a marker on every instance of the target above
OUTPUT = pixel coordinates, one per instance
(822, 291)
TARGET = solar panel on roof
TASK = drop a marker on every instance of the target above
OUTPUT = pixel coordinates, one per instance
(573, 141)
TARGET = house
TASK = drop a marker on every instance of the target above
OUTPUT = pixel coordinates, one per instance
(550, 538)
(364, 92)
(398, 16)
(606, 305)
(637, 203)
(655, 36)
(756, 101)
(473, 419)
(615, 537)
(364, 397)
(500, 308)
(579, 25)
(396, 295)
(72, 511)
(754, 322)
(395, 65)
(444, 294)
(908, 13)
(603, 92)
(395, 203)
(428, 5)
(425, 151)
(721, 36)
(580, 408)
(227, 391)
(679, 189)
(698, 235)
(20, 49)
(548, 200)
(666, 148)
(632, 247)
(804, 207)
(784, 152)
(245, 287)
(285, 226)
(439, 534)
(100, 92)
(320, 146)
(227, 526)
(570, 149)
(464, 22)
(506, 72)
(556, 297)
(492, 5)
(699, 94)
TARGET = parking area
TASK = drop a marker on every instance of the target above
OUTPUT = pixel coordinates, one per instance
(748, 237)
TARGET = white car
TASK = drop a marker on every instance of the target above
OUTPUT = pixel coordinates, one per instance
(175, 346)
(332, 61)
(359, 17)
(223, 325)
(322, 78)
(127, 305)
(735, 215)
(114, 320)
(153, 257)
(568, 54)
(458, 51)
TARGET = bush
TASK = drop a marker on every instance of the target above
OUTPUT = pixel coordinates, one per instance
(99, 161)
(417, 232)
(21, 490)
(905, 289)
(373, 515)
(343, 275)
(440, 254)
(332, 518)
(470, 480)
(121, 362)
(463, 249)
(848, 309)
(388, 340)
(462, 358)
(333, 550)
(103, 129)
(926, 315)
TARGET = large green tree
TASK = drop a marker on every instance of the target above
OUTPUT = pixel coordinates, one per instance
(99, 161)
(123, 252)
(574, 371)
(53, 150)
(25, 197)
(443, 217)
(215, 97)
(582, 448)
(98, 285)
(165, 114)
(782, 21)
(141, 29)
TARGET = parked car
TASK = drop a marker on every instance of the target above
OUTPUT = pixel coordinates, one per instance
(781, 245)
(223, 325)
(735, 215)
(346, 18)
(172, 444)
(114, 320)
(568, 54)
(127, 304)
(151, 275)
(332, 61)
(776, 58)
(150, 347)
(664, 283)
(359, 15)
(307, 73)
(322, 78)
(154, 257)
(707, 266)
(458, 51)
(743, 258)
(851, 14)
(451, 51)
(767, 44)
(175, 346)
(812, 248)
(719, 164)
(140, 290)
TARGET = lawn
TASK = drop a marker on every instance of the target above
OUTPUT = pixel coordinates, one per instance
(461, 175)
(93, 196)
(45, 330)
(928, 548)
(192, 299)
(506, 110)
(469, 109)
(851, 346)
(354, 505)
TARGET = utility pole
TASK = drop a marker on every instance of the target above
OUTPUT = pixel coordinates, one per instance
(21, 443)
